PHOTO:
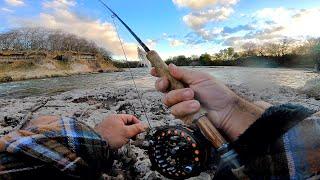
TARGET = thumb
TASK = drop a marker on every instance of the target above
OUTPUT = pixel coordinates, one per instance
(135, 129)
(185, 75)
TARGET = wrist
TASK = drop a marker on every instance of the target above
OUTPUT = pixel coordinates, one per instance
(242, 114)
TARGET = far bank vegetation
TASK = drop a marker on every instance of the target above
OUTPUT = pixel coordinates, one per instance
(285, 53)
(28, 53)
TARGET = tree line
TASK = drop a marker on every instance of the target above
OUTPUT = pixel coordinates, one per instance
(285, 53)
(42, 39)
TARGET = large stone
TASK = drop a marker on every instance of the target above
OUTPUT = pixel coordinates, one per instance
(312, 88)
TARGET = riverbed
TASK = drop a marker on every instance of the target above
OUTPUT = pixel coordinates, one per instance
(90, 98)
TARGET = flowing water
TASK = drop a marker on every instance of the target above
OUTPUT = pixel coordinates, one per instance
(257, 77)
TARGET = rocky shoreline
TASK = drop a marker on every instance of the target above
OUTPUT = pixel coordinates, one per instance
(92, 105)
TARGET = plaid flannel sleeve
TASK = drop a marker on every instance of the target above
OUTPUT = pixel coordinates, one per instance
(283, 144)
(67, 147)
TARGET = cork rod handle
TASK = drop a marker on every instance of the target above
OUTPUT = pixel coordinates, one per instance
(206, 127)
(162, 69)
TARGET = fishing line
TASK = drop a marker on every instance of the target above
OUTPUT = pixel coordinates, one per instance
(131, 74)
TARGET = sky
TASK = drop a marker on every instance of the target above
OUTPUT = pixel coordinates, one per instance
(172, 27)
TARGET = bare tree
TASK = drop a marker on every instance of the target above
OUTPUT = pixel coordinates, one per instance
(249, 48)
(41, 39)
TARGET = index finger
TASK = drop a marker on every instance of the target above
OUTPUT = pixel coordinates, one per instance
(129, 119)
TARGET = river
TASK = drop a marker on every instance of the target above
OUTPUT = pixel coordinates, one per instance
(258, 77)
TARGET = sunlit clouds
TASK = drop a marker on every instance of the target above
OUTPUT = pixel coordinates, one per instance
(6, 10)
(175, 42)
(204, 12)
(207, 19)
(59, 4)
(276, 24)
(15, 2)
(57, 14)
(199, 4)
(197, 20)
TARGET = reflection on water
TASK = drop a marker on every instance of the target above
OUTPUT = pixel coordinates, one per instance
(261, 77)
(294, 78)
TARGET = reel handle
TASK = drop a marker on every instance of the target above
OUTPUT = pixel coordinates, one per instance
(205, 125)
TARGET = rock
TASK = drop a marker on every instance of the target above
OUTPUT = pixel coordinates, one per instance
(312, 88)
(5, 130)
(10, 121)
(153, 176)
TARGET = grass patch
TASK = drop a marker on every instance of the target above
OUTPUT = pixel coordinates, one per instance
(63, 65)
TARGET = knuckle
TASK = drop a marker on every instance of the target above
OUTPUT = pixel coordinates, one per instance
(140, 128)
(176, 111)
(126, 131)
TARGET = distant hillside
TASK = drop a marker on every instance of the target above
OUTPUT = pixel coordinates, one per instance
(29, 53)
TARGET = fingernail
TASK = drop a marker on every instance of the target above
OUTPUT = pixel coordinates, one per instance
(145, 126)
(164, 99)
(161, 83)
(172, 66)
(187, 93)
(194, 105)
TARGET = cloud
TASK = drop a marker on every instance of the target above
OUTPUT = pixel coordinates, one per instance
(203, 13)
(59, 4)
(232, 41)
(209, 34)
(275, 24)
(199, 19)
(230, 30)
(200, 4)
(6, 10)
(264, 25)
(15, 2)
(152, 43)
(170, 38)
(193, 38)
(289, 22)
(175, 43)
(60, 16)
(203, 36)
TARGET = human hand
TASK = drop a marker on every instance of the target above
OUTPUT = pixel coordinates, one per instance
(226, 110)
(118, 129)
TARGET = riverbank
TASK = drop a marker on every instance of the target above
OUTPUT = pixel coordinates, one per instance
(21, 66)
(92, 105)
(16, 76)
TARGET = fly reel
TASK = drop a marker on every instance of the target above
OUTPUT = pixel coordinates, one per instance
(178, 152)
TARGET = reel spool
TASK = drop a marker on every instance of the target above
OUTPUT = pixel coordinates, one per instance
(178, 152)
